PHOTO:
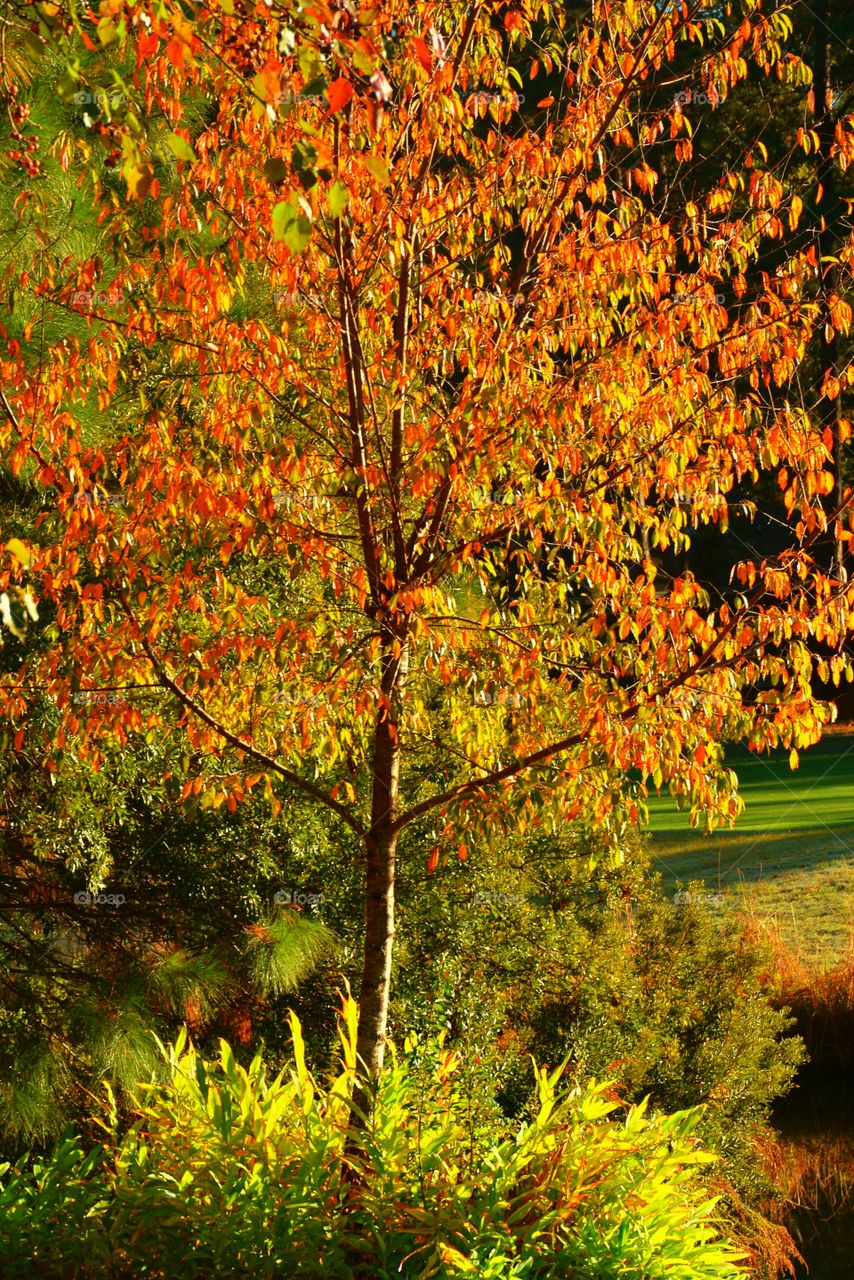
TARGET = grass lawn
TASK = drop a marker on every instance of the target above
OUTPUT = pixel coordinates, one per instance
(791, 855)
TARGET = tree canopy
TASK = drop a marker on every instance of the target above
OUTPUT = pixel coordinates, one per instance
(363, 328)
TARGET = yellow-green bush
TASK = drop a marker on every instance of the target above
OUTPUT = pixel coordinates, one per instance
(224, 1173)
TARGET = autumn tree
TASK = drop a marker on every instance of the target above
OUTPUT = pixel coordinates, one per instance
(369, 329)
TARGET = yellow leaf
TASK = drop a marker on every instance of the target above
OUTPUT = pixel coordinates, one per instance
(452, 1256)
(19, 551)
(138, 178)
(795, 211)
(377, 169)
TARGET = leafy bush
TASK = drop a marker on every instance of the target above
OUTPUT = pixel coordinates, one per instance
(82, 986)
(226, 1173)
(538, 953)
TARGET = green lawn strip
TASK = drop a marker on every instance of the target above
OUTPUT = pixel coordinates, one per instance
(790, 858)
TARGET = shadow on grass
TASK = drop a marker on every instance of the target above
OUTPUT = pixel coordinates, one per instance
(735, 857)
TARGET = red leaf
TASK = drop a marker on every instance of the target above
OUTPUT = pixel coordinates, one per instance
(433, 860)
(423, 53)
(339, 94)
(146, 46)
(174, 52)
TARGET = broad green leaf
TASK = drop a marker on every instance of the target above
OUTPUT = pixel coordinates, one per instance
(338, 197)
(283, 213)
(179, 147)
(291, 226)
(377, 169)
(275, 169)
(106, 29)
(363, 61)
(260, 87)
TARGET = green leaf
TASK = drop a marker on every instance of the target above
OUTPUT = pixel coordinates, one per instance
(338, 197)
(180, 147)
(377, 169)
(67, 84)
(283, 214)
(259, 87)
(363, 61)
(275, 169)
(309, 64)
(315, 87)
(291, 226)
(298, 234)
(303, 157)
(106, 29)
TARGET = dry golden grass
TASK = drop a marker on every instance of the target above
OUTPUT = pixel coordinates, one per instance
(821, 997)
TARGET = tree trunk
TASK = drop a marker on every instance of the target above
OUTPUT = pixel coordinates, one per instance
(379, 941)
(380, 866)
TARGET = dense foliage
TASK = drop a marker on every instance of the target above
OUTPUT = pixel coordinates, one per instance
(227, 1173)
(124, 914)
(363, 340)
(534, 953)
(424, 432)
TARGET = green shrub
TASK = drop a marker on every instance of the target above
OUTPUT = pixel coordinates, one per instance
(560, 959)
(225, 1173)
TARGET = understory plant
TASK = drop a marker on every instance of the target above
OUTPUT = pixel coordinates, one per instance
(224, 1172)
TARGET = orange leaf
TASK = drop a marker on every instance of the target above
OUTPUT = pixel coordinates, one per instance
(174, 52)
(433, 860)
(422, 52)
(339, 93)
